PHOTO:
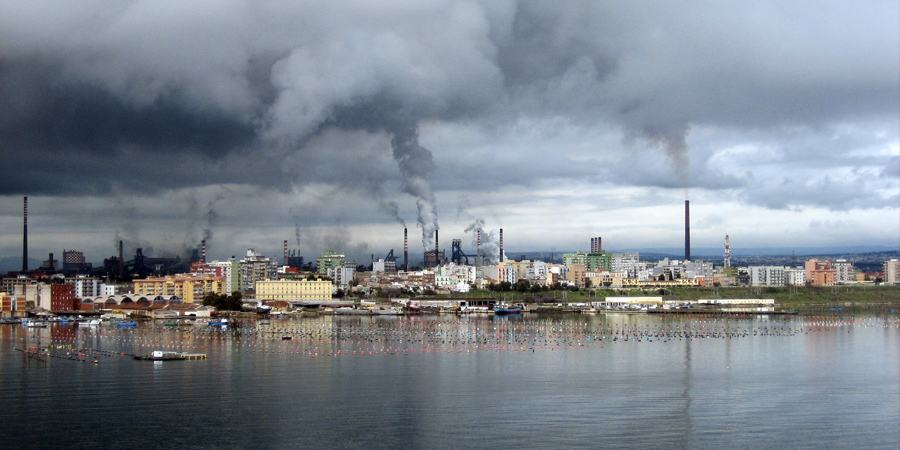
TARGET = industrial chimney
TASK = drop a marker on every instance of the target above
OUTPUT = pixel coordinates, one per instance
(203, 251)
(478, 250)
(687, 230)
(436, 251)
(501, 245)
(285, 253)
(25, 240)
(121, 261)
(405, 251)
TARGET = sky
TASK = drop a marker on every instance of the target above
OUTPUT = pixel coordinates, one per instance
(334, 124)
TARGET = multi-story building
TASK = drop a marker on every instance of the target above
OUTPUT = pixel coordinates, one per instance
(11, 306)
(342, 276)
(85, 286)
(766, 275)
(627, 262)
(73, 262)
(463, 273)
(591, 261)
(256, 267)
(62, 297)
(230, 270)
(794, 277)
(293, 291)
(891, 269)
(189, 289)
(844, 272)
(330, 259)
(819, 273)
(576, 275)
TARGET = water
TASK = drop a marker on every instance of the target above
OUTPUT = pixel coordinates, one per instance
(615, 381)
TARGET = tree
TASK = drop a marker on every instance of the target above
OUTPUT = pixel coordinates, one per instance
(224, 302)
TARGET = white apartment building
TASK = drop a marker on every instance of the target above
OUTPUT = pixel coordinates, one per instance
(766, 275)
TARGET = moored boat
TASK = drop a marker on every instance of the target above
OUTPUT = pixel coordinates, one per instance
(507, 309)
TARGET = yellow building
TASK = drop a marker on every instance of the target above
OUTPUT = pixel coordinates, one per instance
(189, 288)
(293, 290)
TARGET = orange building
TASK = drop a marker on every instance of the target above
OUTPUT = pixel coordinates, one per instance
(820, 273)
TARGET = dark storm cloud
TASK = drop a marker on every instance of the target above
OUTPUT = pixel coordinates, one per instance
(184, 94)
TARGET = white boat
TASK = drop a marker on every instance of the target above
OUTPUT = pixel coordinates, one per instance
(34, 324)
(90, 323)
(387, 311)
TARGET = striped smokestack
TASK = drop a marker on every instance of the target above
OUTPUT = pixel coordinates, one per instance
(405, 251)
(436, 251)
(478, 249)
(25, 240)
(203, 251)
(501, 245)
(687, 230)
(285, 253)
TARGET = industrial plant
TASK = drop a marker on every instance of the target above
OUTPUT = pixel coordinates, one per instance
(140, 280)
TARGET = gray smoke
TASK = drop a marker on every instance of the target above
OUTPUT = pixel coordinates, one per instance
(489, 251)
(416, 164)
(392, 209)
(672, 140)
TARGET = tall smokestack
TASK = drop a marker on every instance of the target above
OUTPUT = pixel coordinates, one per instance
(478, 249)
(687, 230)
(501, 245)
(405, 251)
(25, 240)
(436, 251)
(121, 260)
(285, 253)
(203, 251)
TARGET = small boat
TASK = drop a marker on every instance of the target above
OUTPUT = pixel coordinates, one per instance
(506, 309)
(387, 312)
(220, 323)
(34, 324)
(158, 355)
(90, 323)
(131, 324)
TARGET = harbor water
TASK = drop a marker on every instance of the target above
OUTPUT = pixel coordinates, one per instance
(440, 382)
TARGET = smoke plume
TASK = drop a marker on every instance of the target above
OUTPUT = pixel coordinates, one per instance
(416, 163)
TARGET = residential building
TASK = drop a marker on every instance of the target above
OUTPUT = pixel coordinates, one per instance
(293, 291)
(328, 260)
(794, 277)
(819, 273)
(844, 273)
(891, 269)
(190, 289)
(256, 267)
(766, 275)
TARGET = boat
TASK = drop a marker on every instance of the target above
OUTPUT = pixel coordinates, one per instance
(34, 324)
(131, 324)
(221, 323)
(507, 309)
(159, 355)
(387, 312)
(90, 323)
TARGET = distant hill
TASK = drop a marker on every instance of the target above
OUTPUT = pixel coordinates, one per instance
(650, 254)
(14, 264)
